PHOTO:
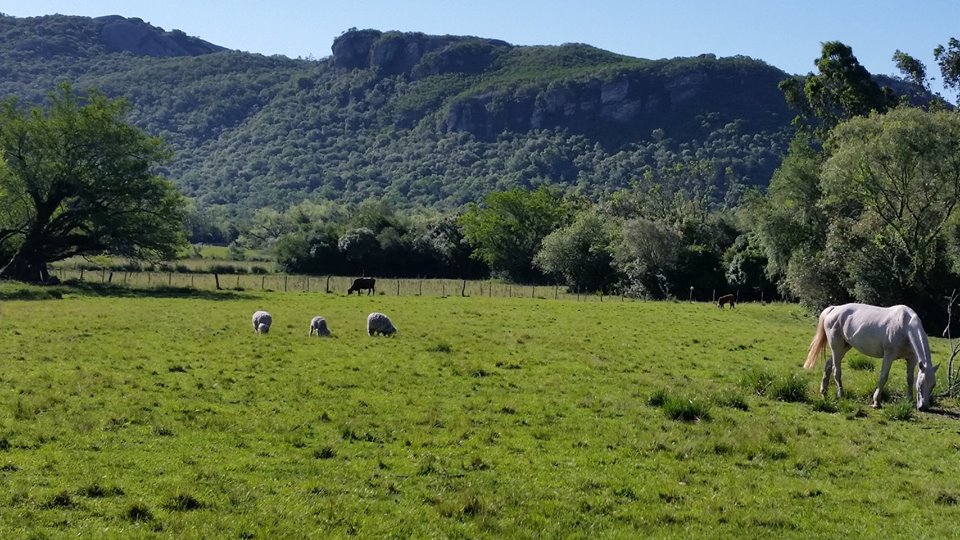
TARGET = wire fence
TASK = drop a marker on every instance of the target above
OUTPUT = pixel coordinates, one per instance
(328, 284)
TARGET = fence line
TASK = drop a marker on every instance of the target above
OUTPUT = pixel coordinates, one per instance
(326, 284)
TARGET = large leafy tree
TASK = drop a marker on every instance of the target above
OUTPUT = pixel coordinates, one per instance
(77, 179)
(871, 217)
(507, 232)
(842, 89)
(581, 253)
(948, 58)
(893, 184)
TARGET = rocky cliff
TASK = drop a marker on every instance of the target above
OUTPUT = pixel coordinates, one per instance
(571, 86)
(135, 36)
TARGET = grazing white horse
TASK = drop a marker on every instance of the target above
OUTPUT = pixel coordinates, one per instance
(887, 333)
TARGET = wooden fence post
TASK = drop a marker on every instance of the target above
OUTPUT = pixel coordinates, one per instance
(328, 284)
(421, 288)
(216, 280)
(398, 287)
(463, 291)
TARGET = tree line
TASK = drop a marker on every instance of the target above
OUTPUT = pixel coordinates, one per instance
(863, 208)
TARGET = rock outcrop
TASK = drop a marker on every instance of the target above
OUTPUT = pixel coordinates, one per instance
(133, 35)
(394, 52)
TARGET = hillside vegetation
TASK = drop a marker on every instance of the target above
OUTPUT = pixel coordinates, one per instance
(415, 119)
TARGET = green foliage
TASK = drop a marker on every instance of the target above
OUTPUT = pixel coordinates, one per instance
(76, 179)
(894, 179)
(250, 131)
(948, 59)
(508, 230)
(843, 89)
(582, 253)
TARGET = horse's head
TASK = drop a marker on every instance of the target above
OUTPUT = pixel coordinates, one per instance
(926, 380)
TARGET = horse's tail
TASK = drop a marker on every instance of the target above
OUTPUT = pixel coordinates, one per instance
(817, 345)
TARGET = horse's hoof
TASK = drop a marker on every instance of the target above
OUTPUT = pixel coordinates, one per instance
(875, 405)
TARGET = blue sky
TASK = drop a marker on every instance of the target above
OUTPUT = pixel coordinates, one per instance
(784, 33)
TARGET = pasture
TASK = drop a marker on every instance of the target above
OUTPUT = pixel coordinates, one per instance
(163, 414)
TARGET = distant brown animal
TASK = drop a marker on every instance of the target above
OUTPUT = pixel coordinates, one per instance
(727, 299)
(361, 283)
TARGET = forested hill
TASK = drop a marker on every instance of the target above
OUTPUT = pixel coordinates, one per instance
(417, 119)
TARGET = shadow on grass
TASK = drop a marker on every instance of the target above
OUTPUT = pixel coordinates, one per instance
(23, 291)
(943, 412)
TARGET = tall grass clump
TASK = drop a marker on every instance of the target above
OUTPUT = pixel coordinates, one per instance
(791, 389)
(900, 411)
(680, 408)
(861, 363)
(757, 381)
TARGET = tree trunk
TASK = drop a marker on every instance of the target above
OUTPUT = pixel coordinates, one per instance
(24, 267)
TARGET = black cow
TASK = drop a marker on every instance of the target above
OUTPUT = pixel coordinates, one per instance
(361, 283)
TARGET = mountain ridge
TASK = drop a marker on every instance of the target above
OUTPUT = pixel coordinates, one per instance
(416, 119)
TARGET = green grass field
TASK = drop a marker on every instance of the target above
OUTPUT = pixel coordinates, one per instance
(161, 413)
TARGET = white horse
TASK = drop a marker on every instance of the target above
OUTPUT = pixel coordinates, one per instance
(887, 333)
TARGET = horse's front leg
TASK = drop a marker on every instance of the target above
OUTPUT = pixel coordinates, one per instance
(911, 372)
(884, 372)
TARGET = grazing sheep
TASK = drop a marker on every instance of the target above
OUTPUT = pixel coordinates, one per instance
(380, 323)
(261, 322)
(319, 324)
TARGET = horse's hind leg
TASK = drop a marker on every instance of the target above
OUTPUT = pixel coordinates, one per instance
(837, 356)
(827, 371)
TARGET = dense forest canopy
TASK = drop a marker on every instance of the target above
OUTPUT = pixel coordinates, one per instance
(441, 126)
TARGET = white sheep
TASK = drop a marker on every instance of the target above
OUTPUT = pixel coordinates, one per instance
(319, 324)
(261, 322)
(379, 323)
